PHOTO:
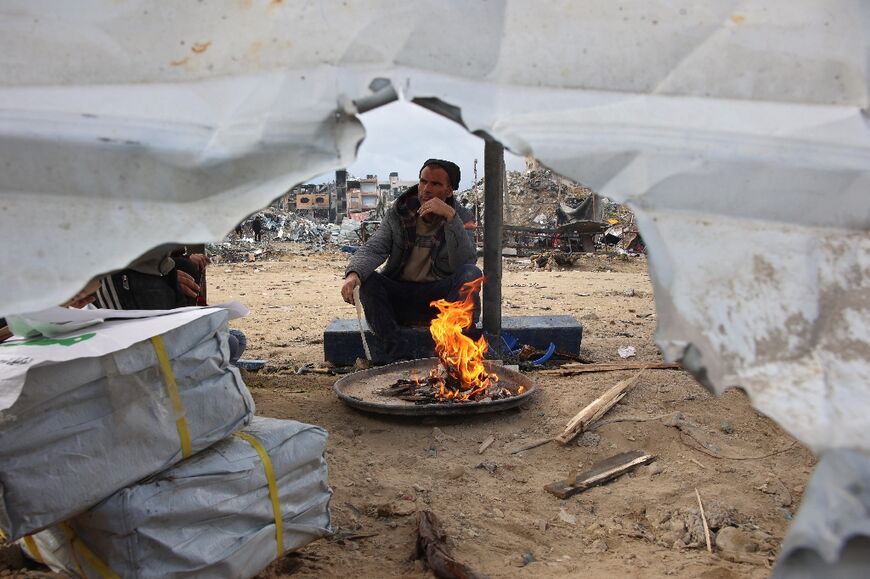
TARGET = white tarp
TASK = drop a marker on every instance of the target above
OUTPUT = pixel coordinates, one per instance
(737, 129)
(83, 428)
(208, 516)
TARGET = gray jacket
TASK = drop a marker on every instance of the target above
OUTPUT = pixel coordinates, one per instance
(389, 243)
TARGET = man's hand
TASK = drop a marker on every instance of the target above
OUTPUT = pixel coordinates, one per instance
(200, 260)
(86, 296)
(187, 284)
(350, 282)
(436, 207)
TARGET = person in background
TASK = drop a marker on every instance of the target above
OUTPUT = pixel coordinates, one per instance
(427, 243)
(257, 227)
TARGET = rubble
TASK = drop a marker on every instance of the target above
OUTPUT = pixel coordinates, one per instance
(278, 226)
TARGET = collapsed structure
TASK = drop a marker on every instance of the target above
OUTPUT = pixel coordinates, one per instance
(719, 123)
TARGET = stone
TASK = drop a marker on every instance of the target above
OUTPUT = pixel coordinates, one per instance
(589, 439)
(598, 546)
(628, 292)
(726, 427)
(567, 517)
(735, 540)
(456, 472)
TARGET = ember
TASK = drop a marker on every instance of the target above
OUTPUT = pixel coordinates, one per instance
(460, 375)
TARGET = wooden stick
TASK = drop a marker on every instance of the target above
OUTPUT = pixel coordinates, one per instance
(704, 520)
(359, 319)
(599, 473)
(486, 444)
(432, 548)
(530, 445)
(697, 462)
(597, 409)
(574, 369)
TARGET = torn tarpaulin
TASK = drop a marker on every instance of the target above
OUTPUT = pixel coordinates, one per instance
(744, 133)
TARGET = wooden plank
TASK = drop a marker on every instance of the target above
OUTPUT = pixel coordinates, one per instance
(597, 409)
(601, 472)
(486, 444)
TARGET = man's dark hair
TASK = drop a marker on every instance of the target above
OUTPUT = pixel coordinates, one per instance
(452, 171)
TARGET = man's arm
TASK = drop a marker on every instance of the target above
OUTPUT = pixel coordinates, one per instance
(366, 259)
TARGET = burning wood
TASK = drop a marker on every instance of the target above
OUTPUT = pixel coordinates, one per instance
(432, 390)
(460, 375)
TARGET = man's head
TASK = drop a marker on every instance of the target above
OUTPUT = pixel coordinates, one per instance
(438, 178)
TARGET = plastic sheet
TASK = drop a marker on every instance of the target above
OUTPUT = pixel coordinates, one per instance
(83, 429)
(208, 516)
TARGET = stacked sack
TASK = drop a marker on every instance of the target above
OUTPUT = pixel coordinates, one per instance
(223, 496)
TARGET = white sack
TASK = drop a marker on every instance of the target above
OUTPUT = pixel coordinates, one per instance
(82, 429)
(210, 515)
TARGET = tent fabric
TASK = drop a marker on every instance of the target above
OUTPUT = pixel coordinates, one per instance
(737, 130)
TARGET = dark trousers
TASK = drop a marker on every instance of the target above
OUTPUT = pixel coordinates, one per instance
(391, 303)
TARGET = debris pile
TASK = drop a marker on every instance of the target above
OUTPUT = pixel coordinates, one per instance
(533, 196)
(279, 226)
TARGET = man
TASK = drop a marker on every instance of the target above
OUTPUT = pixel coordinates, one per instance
(427, 244)
(257, 227)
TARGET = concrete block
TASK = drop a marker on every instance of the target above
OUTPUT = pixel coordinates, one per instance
(342, 344)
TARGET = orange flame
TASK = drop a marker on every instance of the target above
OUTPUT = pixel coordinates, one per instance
(460, 356)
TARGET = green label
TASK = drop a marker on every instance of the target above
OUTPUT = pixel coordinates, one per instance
(52, 341)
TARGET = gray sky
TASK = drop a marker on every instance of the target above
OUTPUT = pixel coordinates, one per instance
(401, 135)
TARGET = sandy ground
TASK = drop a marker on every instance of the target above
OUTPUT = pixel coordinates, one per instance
(497, 516)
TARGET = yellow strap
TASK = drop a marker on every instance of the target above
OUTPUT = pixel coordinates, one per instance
(101, 568)
(2, 536)
(273, 488)
(34, 550)
(172, 388)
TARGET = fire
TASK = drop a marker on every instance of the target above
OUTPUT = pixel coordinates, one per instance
(461, 357)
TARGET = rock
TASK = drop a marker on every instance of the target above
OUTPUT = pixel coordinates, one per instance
(719, 515)
(567, 517)
(655, 468)
(628, 292)
(498, 512)
(781, 495)
(590, 316)
(522, 560)
(395, 509)
(589, 439)
(528, 557)
(626, 352)
(735, 540)
(456, 472)
(598, 546)
(489, 467)
(439, 435)
(726, 427)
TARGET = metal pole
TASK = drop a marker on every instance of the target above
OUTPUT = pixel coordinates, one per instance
(493, 220)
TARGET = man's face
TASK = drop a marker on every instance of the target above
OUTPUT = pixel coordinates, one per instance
(434, 182)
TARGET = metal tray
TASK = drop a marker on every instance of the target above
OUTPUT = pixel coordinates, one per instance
(358, 391)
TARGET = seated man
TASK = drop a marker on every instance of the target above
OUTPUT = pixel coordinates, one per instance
(429, 253)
